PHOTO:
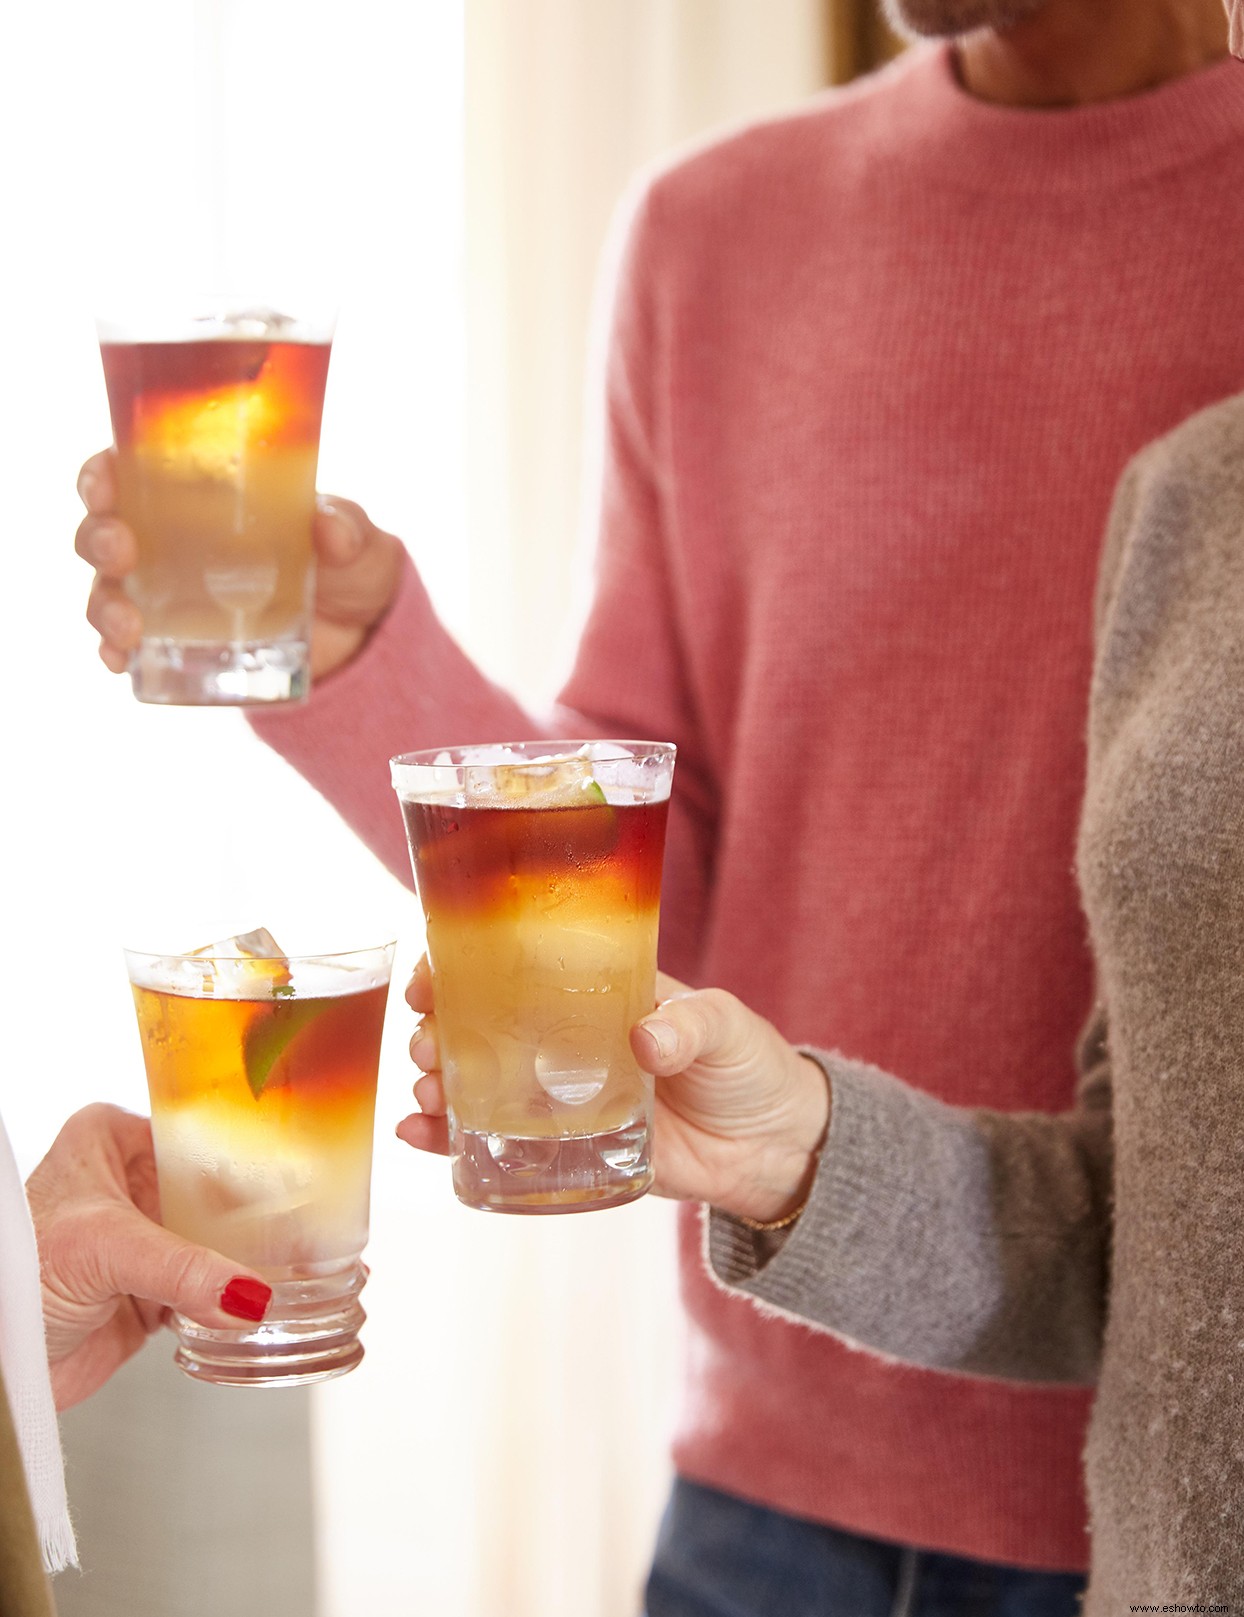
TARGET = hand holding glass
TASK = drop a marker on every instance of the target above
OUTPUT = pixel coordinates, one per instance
(216, 420)
(539, 869)
(262, 1074)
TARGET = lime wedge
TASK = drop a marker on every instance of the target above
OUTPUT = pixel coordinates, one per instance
(554, 783)
(271, 1034)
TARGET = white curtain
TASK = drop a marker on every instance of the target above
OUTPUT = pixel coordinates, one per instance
(205, 138)
(501, 1453)
(566, 101)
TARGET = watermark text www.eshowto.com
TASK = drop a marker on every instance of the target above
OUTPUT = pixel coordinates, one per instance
(1195, 1607)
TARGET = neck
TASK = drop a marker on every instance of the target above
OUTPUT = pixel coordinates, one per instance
(1071, 53)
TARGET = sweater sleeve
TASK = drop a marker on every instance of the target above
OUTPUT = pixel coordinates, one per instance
(955, 1239)
(412, 686)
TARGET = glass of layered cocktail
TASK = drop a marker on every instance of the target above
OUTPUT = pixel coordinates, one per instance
(262, 1073)
(539, 869)
(216, 420)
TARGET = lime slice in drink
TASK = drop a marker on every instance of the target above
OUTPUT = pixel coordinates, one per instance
(270, 1035)
(565, 782)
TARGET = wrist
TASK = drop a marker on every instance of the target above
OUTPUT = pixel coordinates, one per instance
(786, 1167)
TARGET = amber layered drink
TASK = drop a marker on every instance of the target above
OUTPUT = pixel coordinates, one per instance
(217, 432)
(539, 870)
(262, 1076)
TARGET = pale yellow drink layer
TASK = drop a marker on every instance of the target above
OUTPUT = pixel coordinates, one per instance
(535, 1006)
(224, 540)
(271, 1198)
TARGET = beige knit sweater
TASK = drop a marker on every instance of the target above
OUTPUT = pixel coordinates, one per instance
(1107, 1244)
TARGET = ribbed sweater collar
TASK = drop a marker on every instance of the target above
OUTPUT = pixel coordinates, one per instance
(974, 144)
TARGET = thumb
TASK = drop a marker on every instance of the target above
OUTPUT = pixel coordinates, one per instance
(138, 1258)
(341, 530)
(708, 1025)
(361, 565)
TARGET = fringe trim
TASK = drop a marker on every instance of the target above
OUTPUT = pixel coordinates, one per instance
(58, 1545)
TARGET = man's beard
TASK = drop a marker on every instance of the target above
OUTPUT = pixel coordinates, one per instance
(948, 19)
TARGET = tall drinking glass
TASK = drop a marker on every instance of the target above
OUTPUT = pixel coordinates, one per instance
(262, 1074)
(216, 418)
(539, 869)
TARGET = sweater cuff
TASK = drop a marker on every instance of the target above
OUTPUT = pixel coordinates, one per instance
(894, 1250)
(738, 1254)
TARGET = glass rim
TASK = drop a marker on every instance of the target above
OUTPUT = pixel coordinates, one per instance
(556, 749)
(323, 956)
(132, 319)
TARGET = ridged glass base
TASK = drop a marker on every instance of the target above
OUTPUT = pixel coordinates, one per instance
(310, 1333)
(238, 673)
(500, 1173)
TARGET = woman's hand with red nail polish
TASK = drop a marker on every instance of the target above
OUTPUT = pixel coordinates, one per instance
(245, 1298)
(111, 1274)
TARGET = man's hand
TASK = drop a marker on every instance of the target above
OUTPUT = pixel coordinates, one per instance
(357, 570)
(110, 1273)
(740, 1114)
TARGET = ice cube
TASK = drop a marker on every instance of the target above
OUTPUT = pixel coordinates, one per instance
(479, 788)
(256, 945)
(249, 965)
(246, 323)
(491, 753)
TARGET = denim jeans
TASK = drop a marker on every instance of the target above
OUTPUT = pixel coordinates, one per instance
(718, 1556)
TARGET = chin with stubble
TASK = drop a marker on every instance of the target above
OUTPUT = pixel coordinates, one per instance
(949, 19)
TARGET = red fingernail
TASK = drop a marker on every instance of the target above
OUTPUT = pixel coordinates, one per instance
(245, 1298)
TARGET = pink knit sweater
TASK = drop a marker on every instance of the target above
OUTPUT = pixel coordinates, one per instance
(875, 371)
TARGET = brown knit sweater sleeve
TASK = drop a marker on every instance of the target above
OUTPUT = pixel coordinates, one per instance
(968, 1241)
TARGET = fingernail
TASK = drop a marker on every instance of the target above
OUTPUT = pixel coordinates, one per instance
(663, 1036)
(245, 1298)
(349, 539)
(88, 483)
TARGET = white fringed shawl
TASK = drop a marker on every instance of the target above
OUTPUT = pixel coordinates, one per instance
(23, 1359)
